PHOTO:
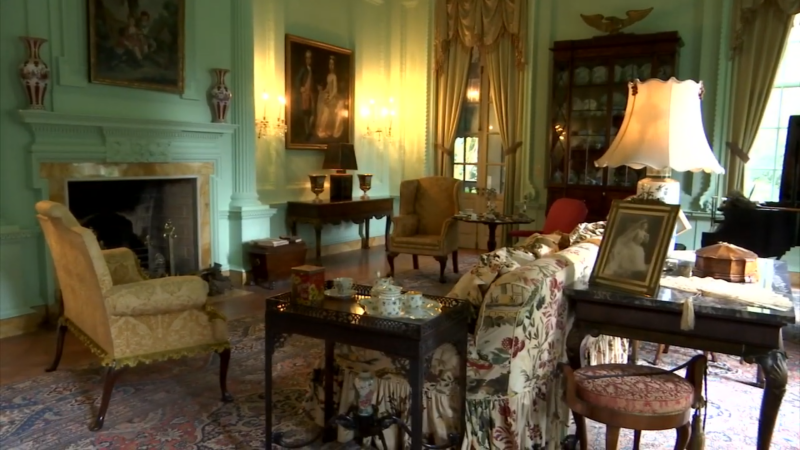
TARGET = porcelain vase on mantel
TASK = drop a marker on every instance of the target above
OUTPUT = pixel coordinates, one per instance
(220, 96)
(34, 73)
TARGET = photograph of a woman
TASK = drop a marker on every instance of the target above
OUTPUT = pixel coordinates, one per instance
(628, 257)
(634, 247)
(319, 94)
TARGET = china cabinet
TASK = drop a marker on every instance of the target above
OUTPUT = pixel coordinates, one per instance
(589, 94)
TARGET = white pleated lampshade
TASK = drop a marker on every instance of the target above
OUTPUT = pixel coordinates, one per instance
(662, 129)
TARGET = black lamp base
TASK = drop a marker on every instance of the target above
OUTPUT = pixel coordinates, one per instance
(341, 187)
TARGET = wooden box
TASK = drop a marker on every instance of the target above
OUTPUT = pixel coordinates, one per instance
(269, 265)
(726, 262)
(308, 285)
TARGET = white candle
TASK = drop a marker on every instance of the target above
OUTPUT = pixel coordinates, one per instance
(489, 182)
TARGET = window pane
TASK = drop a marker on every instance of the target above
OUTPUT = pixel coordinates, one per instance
(458, 172)
(762, 155)
(458, 151)
(492, 119)
(497, 174)
(772, 113)
(496, 155)
(790, 102)
(789, 71)
(471, 151)
(764, 184)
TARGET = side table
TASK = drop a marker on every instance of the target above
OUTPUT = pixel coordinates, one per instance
(269, 265)
(491, 245)
(721, 326)
(320, 213)
(345, 322)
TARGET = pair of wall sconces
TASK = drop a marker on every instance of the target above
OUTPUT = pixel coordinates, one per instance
(264, 127)
(379, 120)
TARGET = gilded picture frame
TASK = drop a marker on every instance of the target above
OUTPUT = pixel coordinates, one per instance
(137, 43)
(320, 92)
(634, 246)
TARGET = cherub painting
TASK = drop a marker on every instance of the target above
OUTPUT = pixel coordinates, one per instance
(137, 43)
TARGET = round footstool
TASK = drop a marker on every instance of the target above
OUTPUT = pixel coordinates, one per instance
(634, 397)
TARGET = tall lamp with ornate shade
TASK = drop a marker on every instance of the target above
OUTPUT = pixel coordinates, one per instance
(662, 131)
(341, 157)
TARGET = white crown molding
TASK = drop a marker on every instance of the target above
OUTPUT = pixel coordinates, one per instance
(37, 118)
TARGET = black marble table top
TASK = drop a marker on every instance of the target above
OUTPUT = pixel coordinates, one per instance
(773, 274)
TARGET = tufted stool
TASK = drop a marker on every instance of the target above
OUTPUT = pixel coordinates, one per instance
(634, 397)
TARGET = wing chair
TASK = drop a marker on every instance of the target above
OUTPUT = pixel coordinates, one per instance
(122, 317)
(425, 225)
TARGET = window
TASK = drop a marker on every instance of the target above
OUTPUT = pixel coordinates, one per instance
(762, 174)
(478, 157)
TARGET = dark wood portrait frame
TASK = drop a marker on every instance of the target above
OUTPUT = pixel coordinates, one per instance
(305, 111)
(649, 211)
(130, 51)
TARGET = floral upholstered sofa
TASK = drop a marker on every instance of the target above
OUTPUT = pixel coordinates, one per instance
(515, 397)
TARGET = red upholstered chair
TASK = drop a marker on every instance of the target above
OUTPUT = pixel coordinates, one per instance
(565, 214)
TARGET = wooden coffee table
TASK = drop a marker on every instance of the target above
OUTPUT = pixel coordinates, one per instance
(345, 322)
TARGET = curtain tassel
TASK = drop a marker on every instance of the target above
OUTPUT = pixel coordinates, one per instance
(687, 316)
(698, 439)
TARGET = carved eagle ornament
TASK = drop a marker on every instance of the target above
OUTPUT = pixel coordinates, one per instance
(613, 25)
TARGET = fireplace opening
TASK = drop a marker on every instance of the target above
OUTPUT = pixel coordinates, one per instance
(157, 218)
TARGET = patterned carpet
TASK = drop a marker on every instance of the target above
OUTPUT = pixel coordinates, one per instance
(175, 405)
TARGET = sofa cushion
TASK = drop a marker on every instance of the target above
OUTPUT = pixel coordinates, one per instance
(657, 393)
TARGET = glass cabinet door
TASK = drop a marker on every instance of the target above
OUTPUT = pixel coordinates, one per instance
(558, 122)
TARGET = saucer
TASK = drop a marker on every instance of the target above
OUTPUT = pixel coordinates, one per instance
(335, 293)
(428, 310)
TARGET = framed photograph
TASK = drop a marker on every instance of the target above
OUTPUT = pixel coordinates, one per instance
(137, 43)
(635, 246)
(319, 94)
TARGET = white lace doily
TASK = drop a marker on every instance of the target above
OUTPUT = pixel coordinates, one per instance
(751, 294)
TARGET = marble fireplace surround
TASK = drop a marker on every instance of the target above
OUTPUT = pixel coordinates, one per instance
(72, 147)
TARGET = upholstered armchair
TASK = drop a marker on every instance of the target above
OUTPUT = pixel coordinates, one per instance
(426, 225)
(122, 317)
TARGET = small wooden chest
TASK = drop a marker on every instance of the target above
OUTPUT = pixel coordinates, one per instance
(269, 265)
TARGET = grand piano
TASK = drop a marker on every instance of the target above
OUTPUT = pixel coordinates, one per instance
(772, 229)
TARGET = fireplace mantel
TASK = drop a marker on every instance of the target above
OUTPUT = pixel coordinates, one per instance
(48, 122)
(70, 146)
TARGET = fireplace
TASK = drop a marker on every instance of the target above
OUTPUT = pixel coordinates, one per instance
(157, 218)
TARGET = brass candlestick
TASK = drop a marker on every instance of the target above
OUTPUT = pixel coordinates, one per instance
(365, 183)
(317, 185)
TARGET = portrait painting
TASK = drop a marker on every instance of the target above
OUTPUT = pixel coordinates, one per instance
(137, 43)
(319, 94)
(635, 245)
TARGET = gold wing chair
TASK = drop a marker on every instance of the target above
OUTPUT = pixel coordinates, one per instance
(122, 317)
(426, 225)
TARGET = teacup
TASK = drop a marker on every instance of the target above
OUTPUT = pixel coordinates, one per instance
(343, 285)
(389, 305)
(413, 299)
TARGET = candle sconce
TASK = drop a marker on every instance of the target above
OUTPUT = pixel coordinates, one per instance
(277, 128)
(383, 128)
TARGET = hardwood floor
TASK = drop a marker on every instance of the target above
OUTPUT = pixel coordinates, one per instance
(26, 356)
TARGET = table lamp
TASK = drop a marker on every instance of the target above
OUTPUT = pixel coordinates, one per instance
(662, 131)
(341, 157)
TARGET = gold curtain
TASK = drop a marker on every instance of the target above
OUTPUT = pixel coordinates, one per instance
(497, 27)
(506, 65)
(760, 31)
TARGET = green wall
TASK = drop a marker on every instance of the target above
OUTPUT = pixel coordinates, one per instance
(389, 39)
